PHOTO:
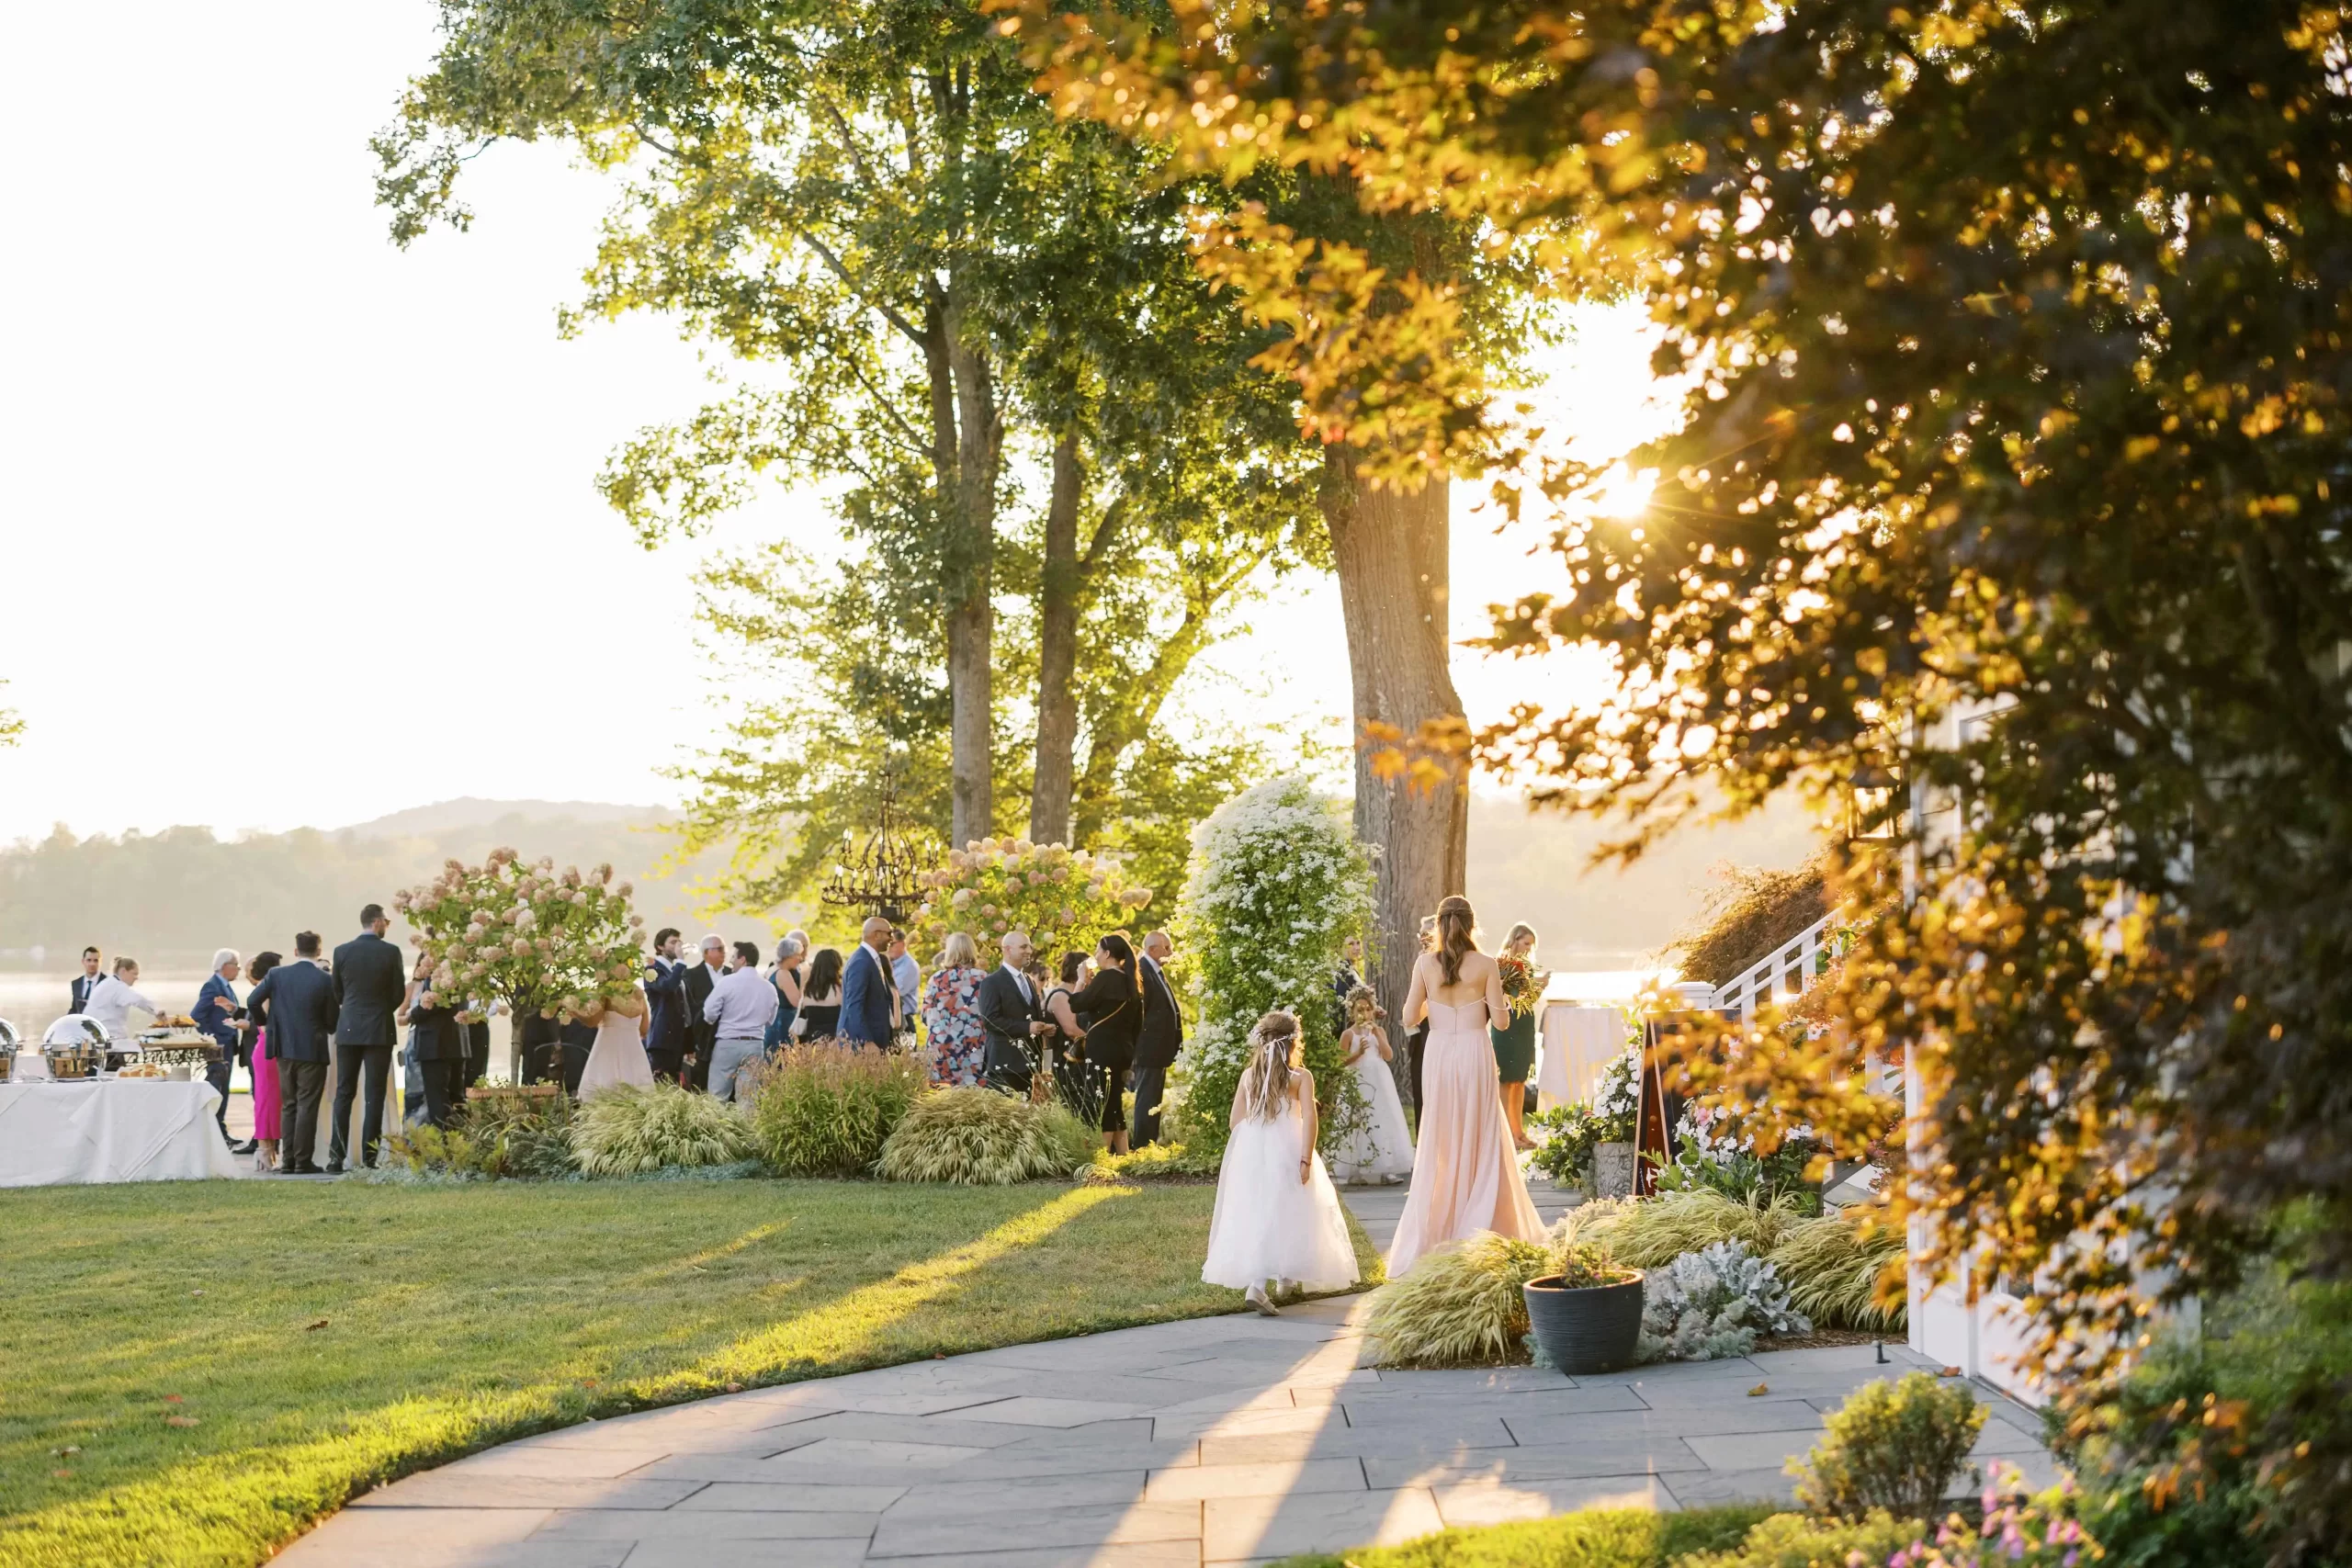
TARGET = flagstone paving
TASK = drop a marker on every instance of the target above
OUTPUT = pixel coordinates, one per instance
(1214, 1441)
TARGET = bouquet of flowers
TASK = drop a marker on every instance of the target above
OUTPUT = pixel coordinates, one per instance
(1523, 982)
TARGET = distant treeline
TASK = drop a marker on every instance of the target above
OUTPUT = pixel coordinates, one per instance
(172, 898)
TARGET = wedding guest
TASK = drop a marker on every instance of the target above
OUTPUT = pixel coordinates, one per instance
(666, 994)
(907, 974)
(786, 976)
(86, 981)
(1277, 1217)
(869, 994)
(1159, 1040)
(1344, 983)
(1514, 1043)
(1417, 1036)
(1010, 1014)
(1111, 1006)
(955, 1040)
(263, 1065)
(738, 1007)
(700, 981)
(216, 1017)
(299, 1001)
(575, 1042)
(110, 1001)
(1066, 1046)
(1465, 1176)
(436, 1046)
(369, 982)
(819, 1017)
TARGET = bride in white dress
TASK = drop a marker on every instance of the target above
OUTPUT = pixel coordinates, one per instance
(1381, 1149)
(1278, 1216)
(1466, 1177)
(618, 1056)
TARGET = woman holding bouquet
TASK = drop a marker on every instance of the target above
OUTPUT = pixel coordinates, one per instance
(1515, 1041)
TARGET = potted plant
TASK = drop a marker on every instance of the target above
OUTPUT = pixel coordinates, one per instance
(1588, 1316)
(1614, 1102)
(1570, 1134)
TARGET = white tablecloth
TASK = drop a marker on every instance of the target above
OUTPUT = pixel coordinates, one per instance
(1578, 1043)
(55, 1134)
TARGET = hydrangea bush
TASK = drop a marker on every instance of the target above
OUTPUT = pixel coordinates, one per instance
(1713, 1303)
(539, 941)
(1062, 897)
(1277, 886)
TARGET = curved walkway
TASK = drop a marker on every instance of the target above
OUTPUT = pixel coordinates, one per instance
(1222, 1440)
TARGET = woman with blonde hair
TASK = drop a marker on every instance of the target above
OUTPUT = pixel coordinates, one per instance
(1277, 1215)
(1515, 1040)
(955, 1037)
(1465, 1176)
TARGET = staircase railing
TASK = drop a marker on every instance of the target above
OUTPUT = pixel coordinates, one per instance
(1785, 972)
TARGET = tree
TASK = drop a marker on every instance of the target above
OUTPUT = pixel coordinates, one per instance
(541, 941)
(2019, 342)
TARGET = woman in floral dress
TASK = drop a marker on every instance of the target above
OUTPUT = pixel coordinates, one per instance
(958, 1039)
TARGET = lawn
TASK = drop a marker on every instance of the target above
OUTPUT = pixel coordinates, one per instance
(192, 1373)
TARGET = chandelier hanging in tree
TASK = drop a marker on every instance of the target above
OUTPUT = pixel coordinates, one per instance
(880, 879)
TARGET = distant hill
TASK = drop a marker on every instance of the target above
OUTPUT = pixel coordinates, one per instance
(170, 898)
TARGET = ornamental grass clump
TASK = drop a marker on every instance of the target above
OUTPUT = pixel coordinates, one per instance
(630, 1131)
(1650, 1234)
(826, 1110)
(1459, 1305)
(1794, 1541)
(978, 1137)
(1833, 1266)
(1713, 1303)
(1892, 1446)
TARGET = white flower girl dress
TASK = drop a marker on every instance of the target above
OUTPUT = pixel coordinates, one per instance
(1268, 1224)
(1381, 1148)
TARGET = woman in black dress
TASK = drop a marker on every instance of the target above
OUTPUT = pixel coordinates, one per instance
(819, 1017)
(1111, 1006)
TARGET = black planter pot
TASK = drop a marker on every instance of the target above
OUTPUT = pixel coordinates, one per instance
(1591, 1329)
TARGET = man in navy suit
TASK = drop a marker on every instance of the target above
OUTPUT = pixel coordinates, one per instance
(87, 980)
(868, 989)
(665, 995)
(215, 1014)
(370, 983)
(302, 1013)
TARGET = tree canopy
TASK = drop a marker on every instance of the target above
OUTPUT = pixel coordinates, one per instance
(2017, 337)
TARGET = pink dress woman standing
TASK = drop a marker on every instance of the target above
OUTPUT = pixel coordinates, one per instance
(1465, 1174)
(264, 1072)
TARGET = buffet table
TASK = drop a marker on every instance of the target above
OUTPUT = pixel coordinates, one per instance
(63, 1133)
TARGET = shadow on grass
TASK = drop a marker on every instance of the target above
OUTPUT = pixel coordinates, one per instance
(199, 1373)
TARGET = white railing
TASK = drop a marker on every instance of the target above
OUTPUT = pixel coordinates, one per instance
(1786, 972)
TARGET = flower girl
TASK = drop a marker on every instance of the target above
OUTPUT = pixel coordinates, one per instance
(1277, 1215)
(1382, 1148)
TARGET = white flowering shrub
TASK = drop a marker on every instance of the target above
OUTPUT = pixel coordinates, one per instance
(553, 944)
(1061, 897)
(1276, 887)
(1618, 1096)
(1713, 1303)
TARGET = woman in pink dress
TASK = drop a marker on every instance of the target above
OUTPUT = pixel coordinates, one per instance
(265, 1071)
(1465, 1174)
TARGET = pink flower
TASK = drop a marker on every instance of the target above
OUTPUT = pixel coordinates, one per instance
(626, 890)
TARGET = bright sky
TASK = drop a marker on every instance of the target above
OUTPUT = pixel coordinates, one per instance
(301, 527)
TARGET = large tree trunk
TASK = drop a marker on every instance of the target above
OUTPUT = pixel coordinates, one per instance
(1050, 798)
(971, 549)
(1390, 549)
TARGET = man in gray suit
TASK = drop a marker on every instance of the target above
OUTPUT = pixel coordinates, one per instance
(370, 985)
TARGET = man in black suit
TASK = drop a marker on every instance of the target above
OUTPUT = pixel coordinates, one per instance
(702, 1036)
(666, 996)
(87, 980)
(1014, 1015)
(1156, 1046)
(300, 1002)
(369, 984)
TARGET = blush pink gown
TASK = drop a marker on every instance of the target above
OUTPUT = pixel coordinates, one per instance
(264, 1073)
(1465, 1176)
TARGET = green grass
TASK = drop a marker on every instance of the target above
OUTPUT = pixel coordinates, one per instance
(231, 1361)
(1598, 1537)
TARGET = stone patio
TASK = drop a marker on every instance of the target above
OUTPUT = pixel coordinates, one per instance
(1224, 1440)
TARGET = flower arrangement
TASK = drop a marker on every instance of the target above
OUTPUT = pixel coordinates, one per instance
(1523, 982)
(544, 941)
(1276, 887)
(1618, 1096)
(1062, 897)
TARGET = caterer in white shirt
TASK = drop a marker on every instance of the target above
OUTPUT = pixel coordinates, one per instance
(113, 999)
